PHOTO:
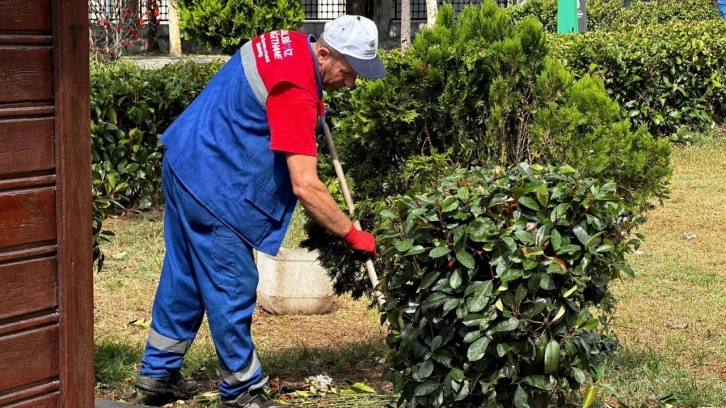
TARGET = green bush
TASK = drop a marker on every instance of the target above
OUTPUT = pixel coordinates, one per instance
(479, 92)
(228, 24)
(665, 77)
(130, 108)
(662, 61)
(612, 16)
(491, 279)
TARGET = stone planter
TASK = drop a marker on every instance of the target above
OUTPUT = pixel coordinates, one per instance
(293, 282)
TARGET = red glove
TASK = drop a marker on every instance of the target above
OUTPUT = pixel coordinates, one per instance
(360, 240)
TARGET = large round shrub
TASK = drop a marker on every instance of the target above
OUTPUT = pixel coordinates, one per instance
(492, 279)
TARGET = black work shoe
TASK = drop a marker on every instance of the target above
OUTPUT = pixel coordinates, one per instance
(173, 385)
(253, 398)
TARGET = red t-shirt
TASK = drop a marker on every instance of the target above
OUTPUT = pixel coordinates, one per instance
(293, 116)
(289, 72)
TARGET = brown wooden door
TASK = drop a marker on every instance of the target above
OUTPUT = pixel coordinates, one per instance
(46, 277)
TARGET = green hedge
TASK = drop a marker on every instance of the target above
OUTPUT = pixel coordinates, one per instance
(130, 108)
(663, 76)
(227, 24)
(662, 61)
(612, 16)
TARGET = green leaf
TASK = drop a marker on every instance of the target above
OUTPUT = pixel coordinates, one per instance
(430, 278)
(556, 240)
(626, 269)
(403, 246)
(112, 117)
(543, 195)
(568, 249)
(362, 388)
(438, 252)
(589, 397)
(456, 374)
(511, 274)
(415, 250)
(567, 170)
(552, 356)
(462, 392)
(451, 304)
(506, 326)
(520, 398)
(451, 203)
(578, 374)
(455, 279)
(436, 342)
(539, 381)
(547, 283)
(387, 214)
(472, 336)
(570, 291)
(426, 388)
(434, 300)
(480, 299)
(477, 349)
(581, 234)
(463, 193)
(529, 203)
(426, 369)
(537, 308)
(466, 259)
(592, 324)
(524, 236)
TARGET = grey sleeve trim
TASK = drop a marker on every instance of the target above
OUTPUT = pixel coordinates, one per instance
(253, 75)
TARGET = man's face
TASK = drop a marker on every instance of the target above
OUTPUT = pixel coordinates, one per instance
(337, 73)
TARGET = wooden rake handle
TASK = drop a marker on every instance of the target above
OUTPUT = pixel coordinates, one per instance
(351, 208)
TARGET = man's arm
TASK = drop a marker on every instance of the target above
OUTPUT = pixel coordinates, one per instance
(313, 194)
(320, 205)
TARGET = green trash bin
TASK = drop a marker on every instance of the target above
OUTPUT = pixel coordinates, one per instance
(567, 16)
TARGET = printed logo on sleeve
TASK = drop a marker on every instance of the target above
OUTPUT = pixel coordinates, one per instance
(280, 45)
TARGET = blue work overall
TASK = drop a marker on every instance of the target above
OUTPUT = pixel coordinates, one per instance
(218, 209)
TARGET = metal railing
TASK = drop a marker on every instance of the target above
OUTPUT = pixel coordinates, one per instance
(323, 9)
(113, 8)
(418, 7)
(315, 10)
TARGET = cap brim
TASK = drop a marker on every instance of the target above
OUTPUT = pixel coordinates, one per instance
(367, 68)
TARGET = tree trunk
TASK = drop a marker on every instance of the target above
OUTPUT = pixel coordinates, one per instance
(405, 24)
(432, 8)
(152, 15)
(175, 48)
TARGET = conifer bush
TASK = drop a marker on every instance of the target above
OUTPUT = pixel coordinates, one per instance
(479, 91)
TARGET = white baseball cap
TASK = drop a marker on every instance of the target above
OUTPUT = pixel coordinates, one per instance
(356, 37)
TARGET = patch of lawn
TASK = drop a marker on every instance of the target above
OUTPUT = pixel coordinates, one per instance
(671, 317)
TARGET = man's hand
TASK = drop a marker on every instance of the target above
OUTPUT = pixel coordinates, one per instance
(360, 240)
